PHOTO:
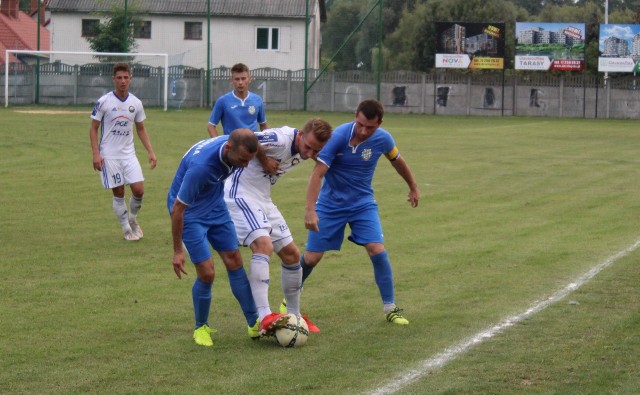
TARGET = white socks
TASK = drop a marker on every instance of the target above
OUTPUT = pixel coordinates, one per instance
(291, 278)
(120, 210)
(259, 281)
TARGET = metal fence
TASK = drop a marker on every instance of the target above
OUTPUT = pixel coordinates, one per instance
(441, 92)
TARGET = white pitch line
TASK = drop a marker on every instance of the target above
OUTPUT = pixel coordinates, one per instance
(439, 360)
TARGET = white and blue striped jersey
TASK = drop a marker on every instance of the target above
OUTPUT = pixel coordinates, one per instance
(251, 181)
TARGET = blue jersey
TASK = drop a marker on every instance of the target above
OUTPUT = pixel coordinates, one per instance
(236, 113)
(199, 181)
(347, 183)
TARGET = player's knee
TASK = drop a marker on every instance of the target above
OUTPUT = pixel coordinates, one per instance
(262, 245)
(232, 260)
(206, 274)
(312, 258)
(291, 258)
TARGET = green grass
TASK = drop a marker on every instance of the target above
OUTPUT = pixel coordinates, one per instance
(513, 209)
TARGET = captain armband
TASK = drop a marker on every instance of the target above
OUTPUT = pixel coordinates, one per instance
(393, 154)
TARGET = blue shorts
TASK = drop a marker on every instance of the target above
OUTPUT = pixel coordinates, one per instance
(197, 235)
(364, 223)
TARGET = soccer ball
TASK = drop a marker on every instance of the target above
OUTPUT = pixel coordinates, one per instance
(294, 334)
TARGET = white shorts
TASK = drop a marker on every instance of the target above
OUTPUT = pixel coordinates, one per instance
(116, 172)
(254, 219)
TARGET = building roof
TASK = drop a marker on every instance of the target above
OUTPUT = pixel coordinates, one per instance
(237, 8)
(21, 33)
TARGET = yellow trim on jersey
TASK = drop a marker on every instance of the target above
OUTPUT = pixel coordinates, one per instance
(393, 154)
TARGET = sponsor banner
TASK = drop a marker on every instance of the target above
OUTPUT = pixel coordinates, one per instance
(470, 45)
(532, 63)
(616, 65)
(619, 48)
(487, 63)
(550, 46)
(567, 65)
(452, 61)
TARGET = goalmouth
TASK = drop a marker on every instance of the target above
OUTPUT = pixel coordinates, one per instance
(91, 57)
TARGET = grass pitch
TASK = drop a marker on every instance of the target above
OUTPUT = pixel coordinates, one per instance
(512, 210)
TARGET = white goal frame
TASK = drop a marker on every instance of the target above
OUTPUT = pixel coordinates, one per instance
(25, 51)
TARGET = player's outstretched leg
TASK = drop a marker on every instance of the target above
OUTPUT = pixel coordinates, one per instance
(242, 291)
(384, 279)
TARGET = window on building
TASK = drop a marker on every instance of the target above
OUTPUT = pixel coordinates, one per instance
(268, 38)
(193, 30)
(90, 27)
(142, 30)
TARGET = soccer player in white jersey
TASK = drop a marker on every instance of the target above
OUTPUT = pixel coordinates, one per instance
(114, 153)
(258, 222)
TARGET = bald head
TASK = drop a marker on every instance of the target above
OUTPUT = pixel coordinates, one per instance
(241, 147)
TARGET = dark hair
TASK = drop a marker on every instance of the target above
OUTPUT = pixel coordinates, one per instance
(239, 68)
(121, 66)
(320, 128)
(244, 138)
(371, 109)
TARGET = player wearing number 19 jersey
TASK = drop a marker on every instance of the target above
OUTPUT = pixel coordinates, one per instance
(114, 154)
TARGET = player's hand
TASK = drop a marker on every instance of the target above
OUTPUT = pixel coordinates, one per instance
(270, 166)
(152, 160)
(98, 162)
(311, 221)
(413, 198)
(178, 264)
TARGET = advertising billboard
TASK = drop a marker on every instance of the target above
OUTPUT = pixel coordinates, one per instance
(463, 45)
(619, 48)
(550, 46)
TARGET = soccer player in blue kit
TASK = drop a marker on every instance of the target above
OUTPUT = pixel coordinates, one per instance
(347, 164)
(199, 217)
(239, 108)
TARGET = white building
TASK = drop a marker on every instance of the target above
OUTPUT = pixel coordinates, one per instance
(259, 33)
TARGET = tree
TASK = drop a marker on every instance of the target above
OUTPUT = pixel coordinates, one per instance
(115, 34)
(335, 42)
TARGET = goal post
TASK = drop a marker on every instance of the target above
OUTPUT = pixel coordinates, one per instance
(90, 58)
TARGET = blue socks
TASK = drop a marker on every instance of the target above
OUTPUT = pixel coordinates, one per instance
(384, 276)
(306, 270)
(242, 291)
(201, 294)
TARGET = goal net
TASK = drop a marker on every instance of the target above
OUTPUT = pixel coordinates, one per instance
(78, 78)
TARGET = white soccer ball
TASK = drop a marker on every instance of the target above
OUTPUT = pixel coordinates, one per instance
(294, 334)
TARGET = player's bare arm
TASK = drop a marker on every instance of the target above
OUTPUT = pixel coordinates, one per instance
(313, 190)
(95, 149)
(213, 131)
(146, 142)
(177, 223)
(269, 165)
(403, 169)
(264, 126)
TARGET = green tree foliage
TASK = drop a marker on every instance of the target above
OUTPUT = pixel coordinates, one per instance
(339, 37)
(345, 16)
(115, 34)
(412, 45)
